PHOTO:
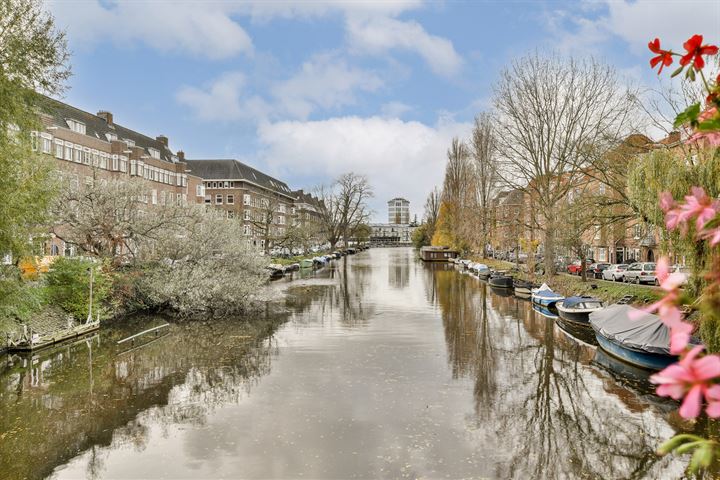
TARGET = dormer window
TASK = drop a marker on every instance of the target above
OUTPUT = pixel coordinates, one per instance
(154, 153)
(110, 136)
(129, 143)
(76, 126)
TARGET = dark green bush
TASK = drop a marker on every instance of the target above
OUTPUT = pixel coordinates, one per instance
(68, 286)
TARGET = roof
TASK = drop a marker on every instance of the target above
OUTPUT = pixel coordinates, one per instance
(231, 169)
(97, 127)
(398, 198)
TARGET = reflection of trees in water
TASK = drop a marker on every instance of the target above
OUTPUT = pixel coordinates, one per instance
(466, 322)
(552, 415)
(59, 404)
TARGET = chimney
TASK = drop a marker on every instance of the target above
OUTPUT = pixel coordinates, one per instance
(105, 115)
(181, 155)
(162, 139)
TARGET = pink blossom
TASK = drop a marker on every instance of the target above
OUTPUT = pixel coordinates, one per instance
(680, 336)
(667, 201)
(666, 307)
(691, 378)
(698, 205)
(712, 138)
(712, 235)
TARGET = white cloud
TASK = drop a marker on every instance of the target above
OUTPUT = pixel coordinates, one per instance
(201, 29)
(264, 9)
(325, 81)
(394, 109)
(222, 100)
(399, 157)
(377, 35)
(636, 23)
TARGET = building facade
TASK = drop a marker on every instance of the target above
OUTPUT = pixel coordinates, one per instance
(398, 211)
(265, 205)
(92, 148)
(390, 234)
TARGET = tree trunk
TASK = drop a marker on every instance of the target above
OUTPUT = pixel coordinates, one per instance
(549, 249)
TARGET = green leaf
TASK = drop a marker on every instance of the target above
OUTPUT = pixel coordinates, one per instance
(688, 116)
(688, 447)
(678, 71)
(702, 458)
(691, 74)
(709, 125)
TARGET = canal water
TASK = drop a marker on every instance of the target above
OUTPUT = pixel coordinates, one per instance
(377, 366)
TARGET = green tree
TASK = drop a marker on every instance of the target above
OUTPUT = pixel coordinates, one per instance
(33, 58)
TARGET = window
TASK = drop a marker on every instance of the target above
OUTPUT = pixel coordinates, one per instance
(230, 199)
(226, 184)
(76, 126)
(123, 164)
(200, 190)
(45, 143)
(230, 214)
(246, 199)
(246, 230)
(110, 136)
(129, 143)
(77, 157)
(282, 208)
(59, 149)
(68, 151)
(292, 211)
(133, 167)
(218, 199)
(154, 153)
(246, 215)
(208, 199)
(86, 157)
(153, 196)
(281, 219)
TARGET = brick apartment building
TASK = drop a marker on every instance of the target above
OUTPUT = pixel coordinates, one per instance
(244, 193)
(92, 147)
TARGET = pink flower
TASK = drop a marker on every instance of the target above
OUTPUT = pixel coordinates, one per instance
(667, 306)
(698, 205)
(667, 202)
(680, 336)
(691, 378)
(710, 137)
(712, 235)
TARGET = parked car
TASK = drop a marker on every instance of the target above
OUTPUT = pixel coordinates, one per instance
(682, 269)
(574, 268)
(641, 272)
(615, 272)
(596, 269)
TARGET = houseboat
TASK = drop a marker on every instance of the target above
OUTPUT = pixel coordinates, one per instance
(437, 254)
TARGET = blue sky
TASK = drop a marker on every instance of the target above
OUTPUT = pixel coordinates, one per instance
(309, 90)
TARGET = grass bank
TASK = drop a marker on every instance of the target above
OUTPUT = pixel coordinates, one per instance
(568, 285)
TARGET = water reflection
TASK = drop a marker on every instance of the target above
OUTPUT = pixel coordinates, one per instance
(548, 414)
(383, 367)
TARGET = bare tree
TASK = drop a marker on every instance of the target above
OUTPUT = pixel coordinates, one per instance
(484, 153)
(343, 207)
(111, 219)
(554, 116)
(453, 224)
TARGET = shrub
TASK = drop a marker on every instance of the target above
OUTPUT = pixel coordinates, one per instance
(68, 286)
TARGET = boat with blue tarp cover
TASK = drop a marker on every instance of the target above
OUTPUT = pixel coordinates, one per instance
(545, 296)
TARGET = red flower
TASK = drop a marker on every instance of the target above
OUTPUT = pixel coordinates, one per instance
(695, 51)
(664, 57)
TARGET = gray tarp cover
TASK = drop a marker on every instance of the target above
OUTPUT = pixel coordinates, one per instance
(647, 333)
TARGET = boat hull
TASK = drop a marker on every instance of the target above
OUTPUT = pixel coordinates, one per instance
(544, 311)
(649, 361)
(501, 282)
(501, 292)
(545, 301)
(581, 318)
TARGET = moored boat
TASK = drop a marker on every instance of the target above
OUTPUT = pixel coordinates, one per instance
(643, 341)
(578, 309)
(544, 311)
(543, 295)
(500, 280)
(523, 287)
